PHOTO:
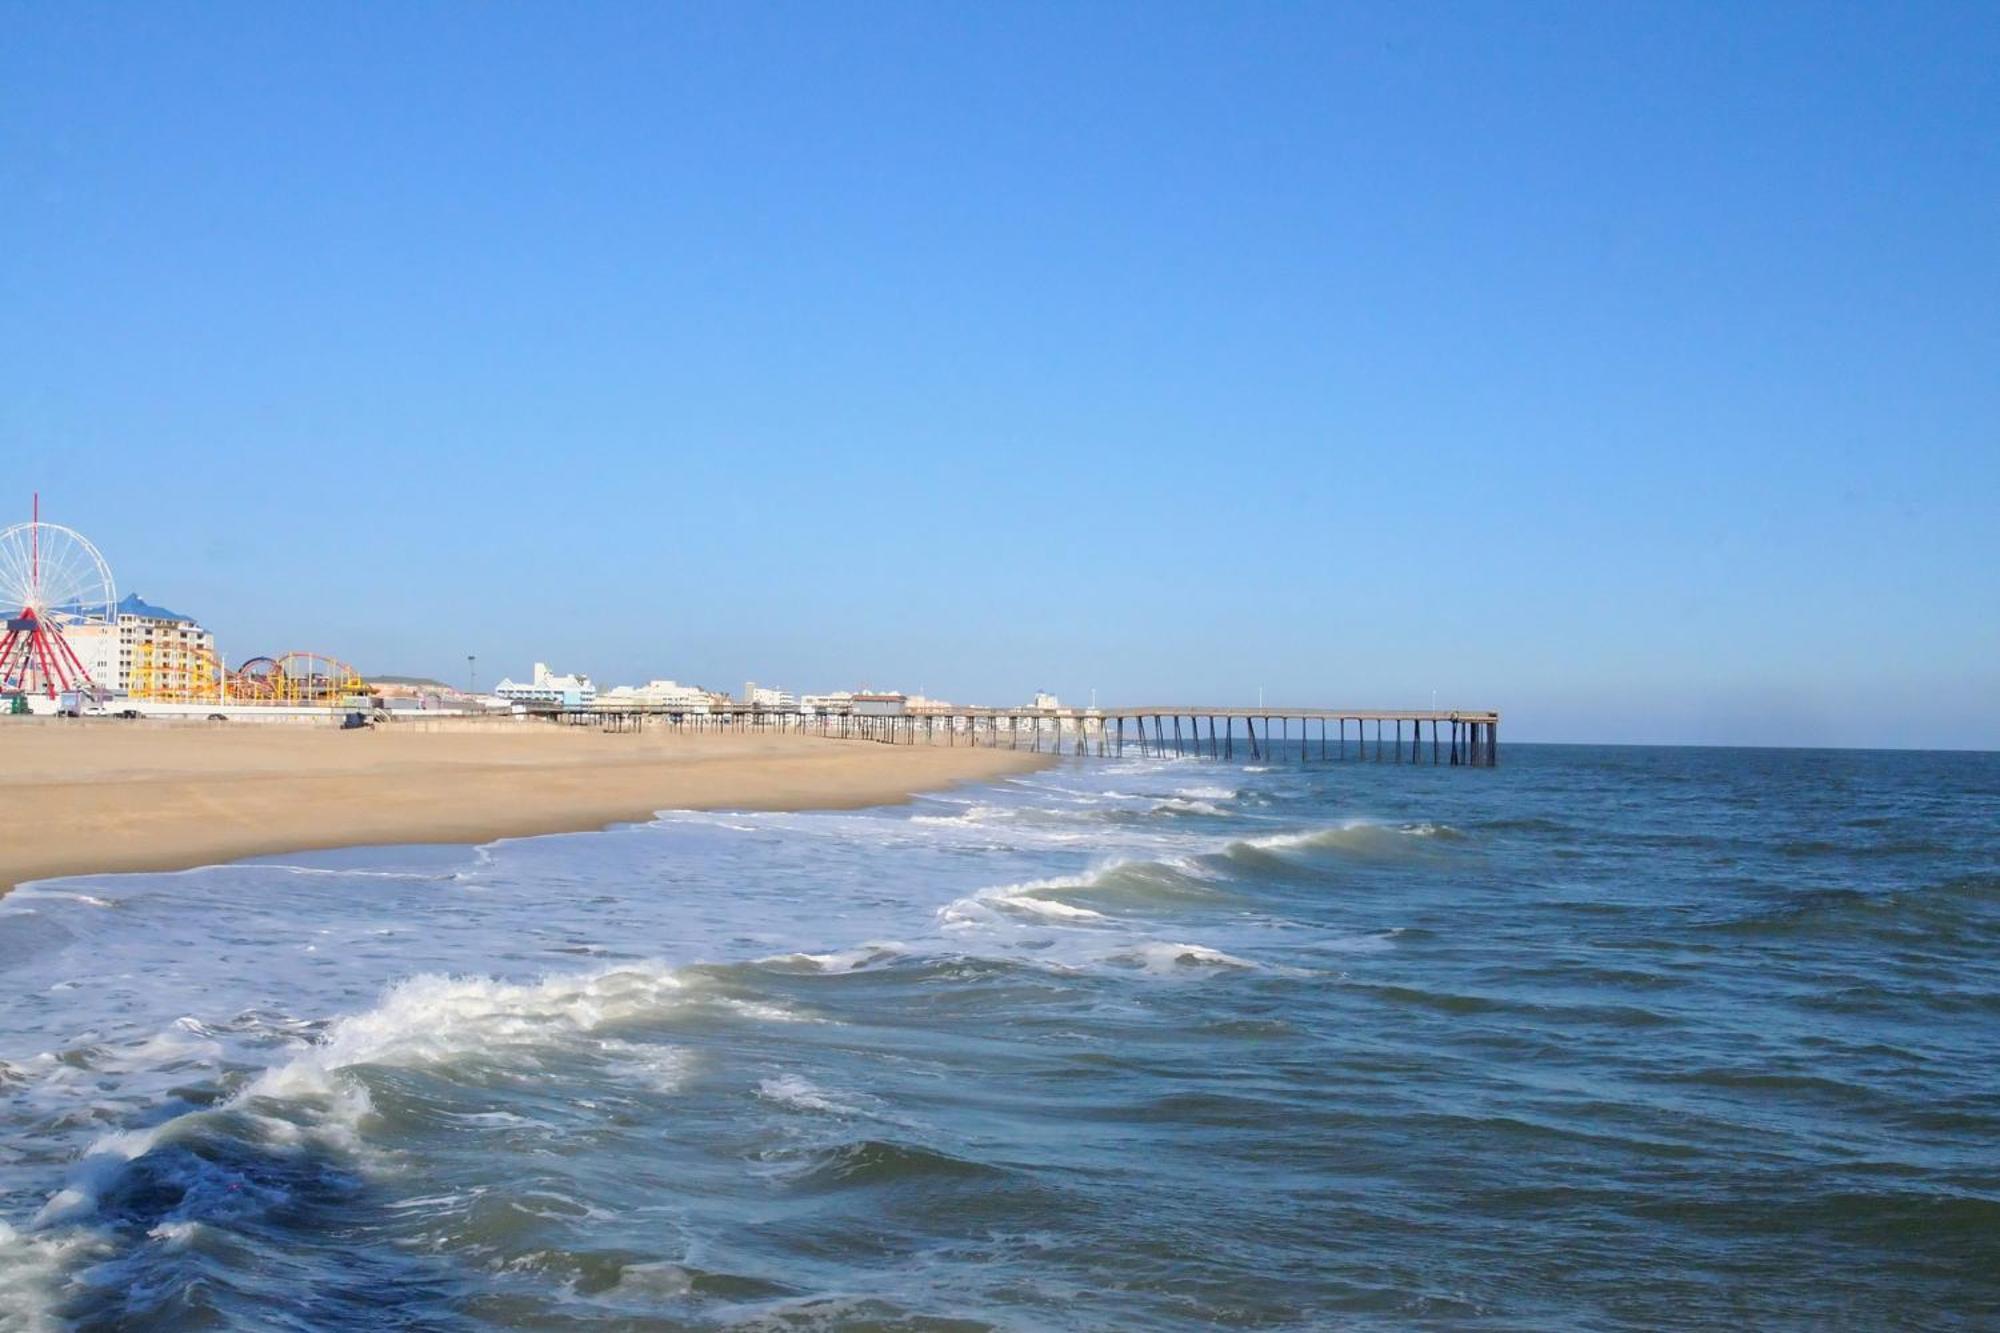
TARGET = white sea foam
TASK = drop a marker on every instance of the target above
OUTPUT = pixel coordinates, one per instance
(320, 872)
(1353, 834)
(32, 892)
(422, 1022)
(655, 1067)
(96, 1170)
(1165, 959)
(1050, 907)
(186, 1042)
(1085, 799)
(652, 1282)
(802, 1094)
(998, 904)
(33, 1271)
(994, 828)
(1304, 838)
(765, 1012)
(175, 1235)
(432, 1019)
(845, 960)
(1183, 805)
(1345, 831)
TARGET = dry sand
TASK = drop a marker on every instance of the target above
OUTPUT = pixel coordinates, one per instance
(79, 796)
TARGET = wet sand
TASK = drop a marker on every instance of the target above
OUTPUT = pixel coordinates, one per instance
(87, 796)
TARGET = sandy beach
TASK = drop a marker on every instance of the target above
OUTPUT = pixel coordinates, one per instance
(82, 797)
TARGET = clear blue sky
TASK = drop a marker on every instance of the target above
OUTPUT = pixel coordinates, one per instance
(1633, 369)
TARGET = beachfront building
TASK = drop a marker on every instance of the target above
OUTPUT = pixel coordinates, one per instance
(100, 647)
(918, 705)
(656, 695)
(1067, 722)
(546, 687)
(824, 705)
(170, 649)
(759, 696)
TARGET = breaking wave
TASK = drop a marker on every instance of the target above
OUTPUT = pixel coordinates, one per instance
(471, 1030)
(875, 953)
(1361, 839)
(1004, 902)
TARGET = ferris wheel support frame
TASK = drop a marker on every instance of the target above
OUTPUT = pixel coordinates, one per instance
(39, 650)
(34, 644)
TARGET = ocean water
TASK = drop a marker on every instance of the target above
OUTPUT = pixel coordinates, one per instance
(1603, 1038)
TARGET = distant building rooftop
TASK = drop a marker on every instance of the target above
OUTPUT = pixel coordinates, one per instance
(134, 605)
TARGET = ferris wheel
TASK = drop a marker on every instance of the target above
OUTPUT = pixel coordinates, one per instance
(52, 580)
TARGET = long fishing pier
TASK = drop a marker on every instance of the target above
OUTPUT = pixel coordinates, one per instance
(1472, 741)
(1283, 735)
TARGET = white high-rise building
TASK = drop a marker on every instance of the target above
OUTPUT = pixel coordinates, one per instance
(547, 687)
(666, 695)
(761, 696)
(840, 701)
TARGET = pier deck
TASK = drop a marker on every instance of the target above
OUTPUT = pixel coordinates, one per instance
(1458, 737)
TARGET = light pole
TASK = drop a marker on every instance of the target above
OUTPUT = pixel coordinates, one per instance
(471, 673)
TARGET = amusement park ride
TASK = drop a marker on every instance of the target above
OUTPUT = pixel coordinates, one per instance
(59, 582)
(187, 674)
(62, 586)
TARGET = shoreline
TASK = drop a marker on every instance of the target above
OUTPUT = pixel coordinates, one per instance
(127, 797)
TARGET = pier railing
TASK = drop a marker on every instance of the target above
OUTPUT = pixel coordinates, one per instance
(1457, 737)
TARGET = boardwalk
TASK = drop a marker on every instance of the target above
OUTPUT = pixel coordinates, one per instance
(1457, 737)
